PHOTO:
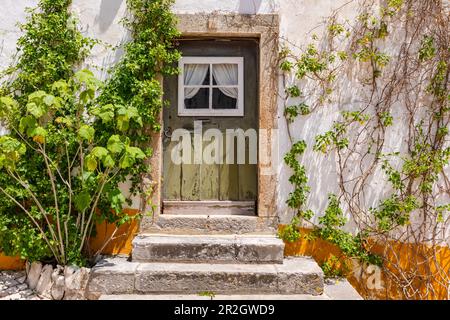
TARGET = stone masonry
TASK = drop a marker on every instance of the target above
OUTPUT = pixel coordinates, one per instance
(14, 287)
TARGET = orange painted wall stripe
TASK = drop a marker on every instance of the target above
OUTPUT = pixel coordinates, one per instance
(407, 256)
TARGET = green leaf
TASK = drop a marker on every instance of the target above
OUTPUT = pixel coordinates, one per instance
(84, 75)
(99, 152)
(88, 177)
(109, 162)
(27, 123)
(87, 95)
(136, 152)
(82, 201)
(8, 106)
(64, 120)
(49, 100)
(37, 96)
(8, 101)
(114, 144)
(130, 156)
(90, 162)
(132, 112)
(86, 133)
(122, 123)
(125, 114)
(126, 161)
(61, 87)
(37, 110)
(117, 199)
(106, 113)
(10, 151)
(39, 134)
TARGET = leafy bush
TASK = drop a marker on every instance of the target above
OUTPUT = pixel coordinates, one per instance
(78, 164)
(72, 140)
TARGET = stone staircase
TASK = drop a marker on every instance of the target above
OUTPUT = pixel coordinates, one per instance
(220, 255)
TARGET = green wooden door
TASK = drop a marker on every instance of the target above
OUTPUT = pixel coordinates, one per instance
(230, 182)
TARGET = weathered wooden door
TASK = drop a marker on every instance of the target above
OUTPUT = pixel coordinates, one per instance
(217, 89)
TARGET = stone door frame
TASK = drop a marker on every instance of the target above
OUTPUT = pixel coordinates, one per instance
(265, 27)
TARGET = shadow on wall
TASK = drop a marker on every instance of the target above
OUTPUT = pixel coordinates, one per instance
(108, 11)
(249, 6)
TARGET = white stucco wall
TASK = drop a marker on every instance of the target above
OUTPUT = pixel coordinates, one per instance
(299, 19)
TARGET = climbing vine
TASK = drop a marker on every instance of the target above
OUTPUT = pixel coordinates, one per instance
(394, 56)
(135, 80)
(48, 50)
(72, 139)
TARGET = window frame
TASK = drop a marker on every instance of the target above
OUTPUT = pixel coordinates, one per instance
(238, 112)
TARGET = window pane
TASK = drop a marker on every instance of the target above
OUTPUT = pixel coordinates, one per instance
(224, 98)
(196, 98)
(196, 74)
(225, 74)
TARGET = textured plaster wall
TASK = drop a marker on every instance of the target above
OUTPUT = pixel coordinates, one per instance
(298, 19)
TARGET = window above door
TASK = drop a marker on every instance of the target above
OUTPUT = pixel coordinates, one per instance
(211, 86)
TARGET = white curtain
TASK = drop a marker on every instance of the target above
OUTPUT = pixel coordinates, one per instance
(226, 74)
(194, 74)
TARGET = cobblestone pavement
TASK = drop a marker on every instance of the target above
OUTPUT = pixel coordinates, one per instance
(13, 286)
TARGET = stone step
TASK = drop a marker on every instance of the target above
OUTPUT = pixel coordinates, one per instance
(172, 297)
(209, 224)
(297, 275)
(335, 289)
(208, 248)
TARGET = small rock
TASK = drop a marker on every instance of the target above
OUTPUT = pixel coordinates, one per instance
(27, 293)
(22, 286)
(3, 291)
(44, 285)
(22, 279)
(58, 271)
(70, 270)
(12, 290)
(58, 287)
(34, 273)
(75, 285)
(14, 296)
(11, 282)
(98, 258)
